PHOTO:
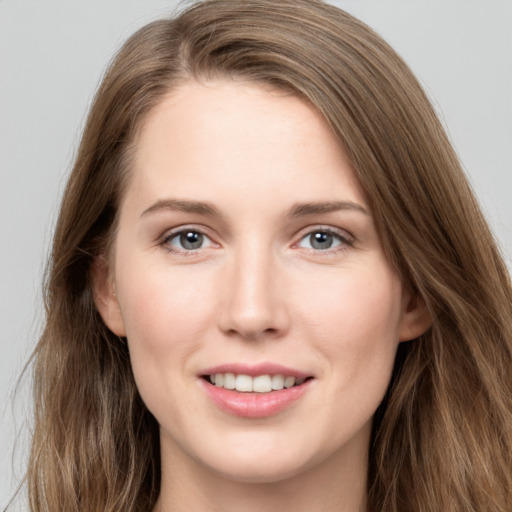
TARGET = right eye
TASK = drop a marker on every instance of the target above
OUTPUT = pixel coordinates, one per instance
(187, 240)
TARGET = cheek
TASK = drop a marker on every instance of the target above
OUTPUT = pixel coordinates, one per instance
(355, 320)
(355, 328)
(166, 314)
(160, 299)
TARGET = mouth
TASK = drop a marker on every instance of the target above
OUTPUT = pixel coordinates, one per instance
(255, 391)
(265, 383)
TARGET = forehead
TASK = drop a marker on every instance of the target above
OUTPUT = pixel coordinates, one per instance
(204, 139)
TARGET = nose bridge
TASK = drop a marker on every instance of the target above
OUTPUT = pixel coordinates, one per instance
(253, 303)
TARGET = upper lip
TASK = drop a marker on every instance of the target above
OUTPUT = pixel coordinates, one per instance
(254, 370)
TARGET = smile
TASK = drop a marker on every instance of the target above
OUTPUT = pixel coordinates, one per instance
(255, 391)
(257, 384)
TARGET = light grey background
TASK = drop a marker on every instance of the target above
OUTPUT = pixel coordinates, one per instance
(52, 54)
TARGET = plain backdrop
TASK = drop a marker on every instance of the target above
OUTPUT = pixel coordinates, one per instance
(52, 55)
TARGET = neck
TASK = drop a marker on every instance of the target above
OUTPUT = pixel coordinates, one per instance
(335, 484)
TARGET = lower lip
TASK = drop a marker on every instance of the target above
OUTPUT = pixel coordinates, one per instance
(254, 405)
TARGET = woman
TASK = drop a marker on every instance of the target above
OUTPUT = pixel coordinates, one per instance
(271, 286)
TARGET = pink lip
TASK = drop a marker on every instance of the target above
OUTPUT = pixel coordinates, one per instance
(254, 405)
(255, 369)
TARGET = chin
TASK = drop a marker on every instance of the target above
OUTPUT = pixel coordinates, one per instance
(261, 472)
(258, 463)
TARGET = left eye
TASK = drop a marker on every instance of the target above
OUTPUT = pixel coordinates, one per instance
(321, 240)
(188, 240)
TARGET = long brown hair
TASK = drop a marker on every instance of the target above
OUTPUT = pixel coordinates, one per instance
(442, 438)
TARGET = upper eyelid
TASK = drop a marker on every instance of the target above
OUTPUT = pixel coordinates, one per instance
(342, 233)
(172, 232)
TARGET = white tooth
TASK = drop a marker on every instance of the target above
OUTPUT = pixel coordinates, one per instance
(243, 383)
(289, 382)
(298, 382)
(212, 378)
(229, 380)
(277, 382)
(219, 379)
(262, 384)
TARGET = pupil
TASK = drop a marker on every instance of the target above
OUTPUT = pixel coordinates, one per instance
(321, 240)
(191, 240)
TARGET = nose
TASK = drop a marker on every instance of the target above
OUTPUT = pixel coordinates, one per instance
(254, 305)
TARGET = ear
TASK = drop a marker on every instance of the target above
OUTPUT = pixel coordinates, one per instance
(105, 298)
(416, 319)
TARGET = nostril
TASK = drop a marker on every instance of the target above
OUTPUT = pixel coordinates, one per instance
(252, 334)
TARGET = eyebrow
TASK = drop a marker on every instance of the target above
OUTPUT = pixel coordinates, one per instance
(181, 205)
(304, 209)
(209, 210)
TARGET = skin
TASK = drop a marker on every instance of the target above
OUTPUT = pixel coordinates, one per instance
(256, 290)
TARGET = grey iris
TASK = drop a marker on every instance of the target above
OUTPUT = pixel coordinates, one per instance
(321, 240)
(191, 240)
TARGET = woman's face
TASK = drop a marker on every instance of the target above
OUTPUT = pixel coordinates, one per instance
(246, 251)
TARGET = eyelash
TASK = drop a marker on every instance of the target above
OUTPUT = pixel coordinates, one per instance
(345, 241)
(180, 231)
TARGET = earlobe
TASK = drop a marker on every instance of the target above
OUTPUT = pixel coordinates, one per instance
(105, 298)
(416, 319)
